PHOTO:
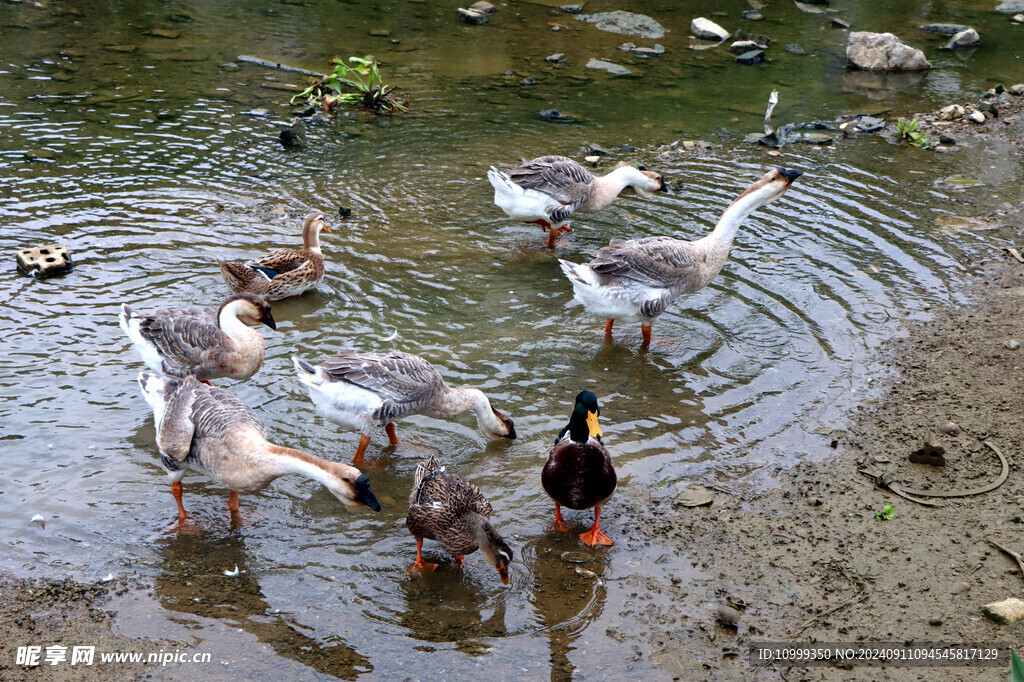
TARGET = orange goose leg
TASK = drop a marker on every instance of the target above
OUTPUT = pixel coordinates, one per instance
(594, 536)
(233, 501)
(364, 440)
(392, 436)
(645, 329)
(176, 489)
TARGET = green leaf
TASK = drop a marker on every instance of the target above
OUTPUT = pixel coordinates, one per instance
(887, 513)
(1016, 667)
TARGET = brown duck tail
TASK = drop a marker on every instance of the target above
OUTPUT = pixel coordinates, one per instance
(241, 278)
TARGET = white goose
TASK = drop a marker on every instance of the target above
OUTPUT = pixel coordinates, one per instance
(547, 190)
(209, 430)
(638, 279)
(366, 391)
(201, 342)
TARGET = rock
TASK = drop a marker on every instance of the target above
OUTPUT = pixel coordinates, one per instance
(120, 48)
(259, 113)
(627, 23)
(869, 124)
(934, 620)
(705, 29)
(883, 52)
(793, 48)
(977, 117)
(741, 46)
(762, 40)
(728, 616)
(165, 33)
(953, 112)
(1012, 344)
(592, 160)
(689, 145)
(1017, 89)
(929, 454)
(1007, 612)
(944, 29)
(815, 138)
(839, 23)
(344, 212)
(960, 588)
(572, 9)
(946, 138)
(44, 261)
(694, 496)
(610, 67)
(556, 58)
(598, 149)
(814, 501)
(529, 80)
(1011, 6)
(483, 6)
(295, 136)
(968, 38)
(380, 33)
(555, 115)
(645, 52)
(39, 154)
(989, 109)
(472, 16)
(950, 429)
(1019, 18)
(752, 57)
(752, 15)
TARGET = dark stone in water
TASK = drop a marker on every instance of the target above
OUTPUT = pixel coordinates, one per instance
(869, 123)
(555, 115)
(944, 29)
(294, 137)
(752, 57)
(344, 211)
(793, 48)
(573, 9)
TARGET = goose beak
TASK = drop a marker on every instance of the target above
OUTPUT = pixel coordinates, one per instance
(268, 320)
(595, 428)
(363, 493)
(790, 174)
(664, 187)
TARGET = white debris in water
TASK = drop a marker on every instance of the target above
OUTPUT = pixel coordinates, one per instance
(109, 577)
(234, 573)
(38, 518)
(390, 337)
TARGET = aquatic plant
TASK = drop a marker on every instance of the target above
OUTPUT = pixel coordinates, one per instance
(1016, 667)
(364, 77)
(887, 514)
(907, 130)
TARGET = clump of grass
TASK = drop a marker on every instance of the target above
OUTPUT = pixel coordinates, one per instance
(907, 130)
(363, 76)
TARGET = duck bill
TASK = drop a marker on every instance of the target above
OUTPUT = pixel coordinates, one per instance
(325, 229)
(595, 428)
(503, 572)
(268, 320)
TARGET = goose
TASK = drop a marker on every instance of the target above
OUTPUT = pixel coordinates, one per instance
(284, 272)
(201, 342)
(548, 189)
(366, 391)
(445, 508)
(638, 279)
(207, 429)
(579, 472)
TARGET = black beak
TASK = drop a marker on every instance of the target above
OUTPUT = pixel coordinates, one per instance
(511, 435)
(664, 187)
(789, 173)
(364, 494)
(268, 320)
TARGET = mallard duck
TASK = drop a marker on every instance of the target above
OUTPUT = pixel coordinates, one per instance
(579, 472)
(547, 190)
(639, 278)
(445, 508)
(201, 342)
(284, 272)
(366, 391)
(209, 430)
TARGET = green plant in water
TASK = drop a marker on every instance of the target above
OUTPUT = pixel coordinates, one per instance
(907, 130)
(887, 513)
(364, 77)
(1016, 667)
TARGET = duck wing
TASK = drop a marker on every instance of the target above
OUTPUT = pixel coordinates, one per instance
(185, 339)
(406, 383)
(558, 177)
(281, 260)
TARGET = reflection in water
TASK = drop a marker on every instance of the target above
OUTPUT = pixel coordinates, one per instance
(192, 581)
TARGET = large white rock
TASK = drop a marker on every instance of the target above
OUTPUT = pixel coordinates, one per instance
(883, 52)
(705, 29)
(968, 38)
(1008, 611)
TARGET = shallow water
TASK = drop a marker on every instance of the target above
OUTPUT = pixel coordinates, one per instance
(151, 163)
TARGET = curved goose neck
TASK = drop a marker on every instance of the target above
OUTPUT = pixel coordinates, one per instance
(738, 211)
(229, 323)
(292, 461)
(458, 400)
(607, 187)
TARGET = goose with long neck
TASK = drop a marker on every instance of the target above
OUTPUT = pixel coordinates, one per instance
(367, 391)
(579, 472)
(448, 509)
(206, 343)
(284, 272)
(549, 189)
(207, 429)
(638, 279)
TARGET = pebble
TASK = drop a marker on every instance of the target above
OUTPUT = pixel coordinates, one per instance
(1019, 18)
(483, 6)
(793, 48)
(556, 58)
(950, 429)
(380, 33)
(584, 573)
(572, 9)
(728, 616)
(344, 211)
(934, 620)
(1007, 612)
(610, 67)
(1017, 89)
(165, 33)
(529, 80)
(592, 160)
(752, 15)
(752, 57)
(960, 588)
(952, 112)
(1012, 344)
(977, 117)
(555, 115)
(472, 16)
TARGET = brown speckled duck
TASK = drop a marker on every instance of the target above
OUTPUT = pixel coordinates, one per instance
(209, 430)
(446, 508)
(579, 472)
(284, 272)
(201, 342)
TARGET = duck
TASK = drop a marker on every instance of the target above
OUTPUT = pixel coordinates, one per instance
(205, 343)
(549, 189)
(579, 473)
(452, 511)
(284, 272)
(209, 430)
(638, 279)
(366, 391)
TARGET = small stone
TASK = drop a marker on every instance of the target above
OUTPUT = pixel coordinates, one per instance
(952, 113)
(44, 261)
(1012, 344)
(960, 588)
(883, 52)
(483, 6)
(592, 160)
(689, 145)
(1011, 6)
(120, 48)
(1017, 89)
(728, 616)
(752, 15)
(977, 117)
(949, 429)
(598, 150)
(555, 115)
(794, 48)
(584, 573)
(344, 212)
(934, 620)
(165, 33)
(839, 23)
(529, 80)
(694, 496)
(968, 38)
(572, 9)
(1007, 612)
(1017, 18)
(869, 124)
(743, 46)
(472, 16)
(39, 155)
(230, 66)
(762, 40)
(705, 29)
(752, 57)
(380, 33)
(946, 138)
(816, 138)
(556, 58)
(610, 67)
(294, 137)
(814, 501)
(944, 29)
(644, 52)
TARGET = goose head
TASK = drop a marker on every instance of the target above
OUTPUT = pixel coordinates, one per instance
(504, 427)
(651, 183)
(351, 487)
(247, 308)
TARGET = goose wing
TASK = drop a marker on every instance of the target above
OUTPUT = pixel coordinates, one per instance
(185, 339)
(558, 177)
(218, 413)
(406, 383)
(652, 261)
